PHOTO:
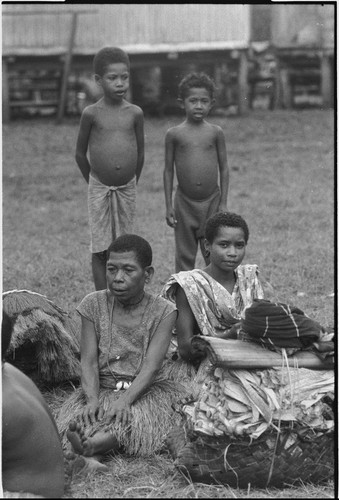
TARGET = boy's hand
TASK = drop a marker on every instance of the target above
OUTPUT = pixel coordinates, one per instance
(170, 218)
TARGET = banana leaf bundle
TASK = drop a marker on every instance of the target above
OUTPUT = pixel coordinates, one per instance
(239, 403)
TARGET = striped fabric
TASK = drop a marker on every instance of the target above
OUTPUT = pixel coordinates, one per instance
(280, 325)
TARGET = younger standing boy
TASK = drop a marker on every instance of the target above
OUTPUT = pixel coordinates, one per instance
(112, 130)
(198, 151)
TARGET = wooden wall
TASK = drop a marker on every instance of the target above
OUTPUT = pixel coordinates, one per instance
(296, 25)
(136, 27)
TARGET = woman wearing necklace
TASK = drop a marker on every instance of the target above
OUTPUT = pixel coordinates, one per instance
(125, 336)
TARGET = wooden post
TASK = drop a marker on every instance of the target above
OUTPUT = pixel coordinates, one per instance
(67, 67)
(242, 83)
(6, 111)
(285, 86)
(326, 81)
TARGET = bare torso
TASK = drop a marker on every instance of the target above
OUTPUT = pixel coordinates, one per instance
(32, 457)
(196, 159)
(112, 143)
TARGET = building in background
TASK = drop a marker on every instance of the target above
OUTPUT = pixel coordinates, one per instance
(47, 52)
(295, 42)
(164, 42)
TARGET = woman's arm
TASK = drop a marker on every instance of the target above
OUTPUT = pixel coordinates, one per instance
(82, 144)
(89, 368)
(139, 134)
(186, 326)
(155, 355)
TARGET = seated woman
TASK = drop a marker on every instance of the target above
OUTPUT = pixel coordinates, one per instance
(211, 301)
(123, 402)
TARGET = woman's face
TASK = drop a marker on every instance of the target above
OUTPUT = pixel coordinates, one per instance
(228, 248)
(125, 276)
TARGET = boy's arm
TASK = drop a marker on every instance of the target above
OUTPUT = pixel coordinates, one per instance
(82, 144)
(168, 178)
(139, 134)
(223, 169)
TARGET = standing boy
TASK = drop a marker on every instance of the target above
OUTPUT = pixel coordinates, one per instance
(112, 130)
(198, 151)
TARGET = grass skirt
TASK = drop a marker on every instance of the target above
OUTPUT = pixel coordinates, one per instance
(152, 416)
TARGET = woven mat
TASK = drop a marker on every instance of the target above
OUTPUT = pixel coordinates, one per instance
(268, 461)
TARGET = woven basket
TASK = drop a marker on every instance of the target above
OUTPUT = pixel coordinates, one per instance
(276, 460)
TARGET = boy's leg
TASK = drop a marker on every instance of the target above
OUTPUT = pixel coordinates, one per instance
(203, 251)
(186, 243)
(210, 209)
(99, 270)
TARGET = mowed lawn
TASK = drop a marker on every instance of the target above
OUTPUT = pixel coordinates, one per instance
(281, 181)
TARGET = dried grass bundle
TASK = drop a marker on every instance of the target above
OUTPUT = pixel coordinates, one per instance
(44, 339)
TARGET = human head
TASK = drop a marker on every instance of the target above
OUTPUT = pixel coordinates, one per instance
(109, 55)
(6, 333)
(224, 219)
(196, 80)
(133, 243)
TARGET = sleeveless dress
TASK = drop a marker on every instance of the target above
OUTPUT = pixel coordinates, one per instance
(121, 354)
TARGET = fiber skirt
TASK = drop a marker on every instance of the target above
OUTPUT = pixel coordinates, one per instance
(151, 416)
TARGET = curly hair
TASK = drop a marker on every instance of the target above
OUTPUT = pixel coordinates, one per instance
(109, 55)
(133, 243)
(196, 80)
(224, 219)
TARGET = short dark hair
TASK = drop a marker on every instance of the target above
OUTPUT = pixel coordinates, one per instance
(133, 243)
(6, 333)
(109, 55)
(196, 80)
(224, 219)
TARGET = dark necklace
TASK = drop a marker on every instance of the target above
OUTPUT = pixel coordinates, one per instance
(125, 306)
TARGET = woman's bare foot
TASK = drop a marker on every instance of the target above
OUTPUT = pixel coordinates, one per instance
(76, 436)
(78, 464)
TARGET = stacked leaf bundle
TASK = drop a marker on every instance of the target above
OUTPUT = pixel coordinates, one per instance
(238, 403)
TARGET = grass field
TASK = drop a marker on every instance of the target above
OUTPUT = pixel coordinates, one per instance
(281, 182)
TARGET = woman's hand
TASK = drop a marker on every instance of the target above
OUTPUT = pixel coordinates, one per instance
(91, 413)
(120, 412)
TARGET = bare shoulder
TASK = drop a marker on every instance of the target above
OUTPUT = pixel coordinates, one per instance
(134, 109)
(19, 394)
(90, 111)
(176, 131)
(217, 130)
